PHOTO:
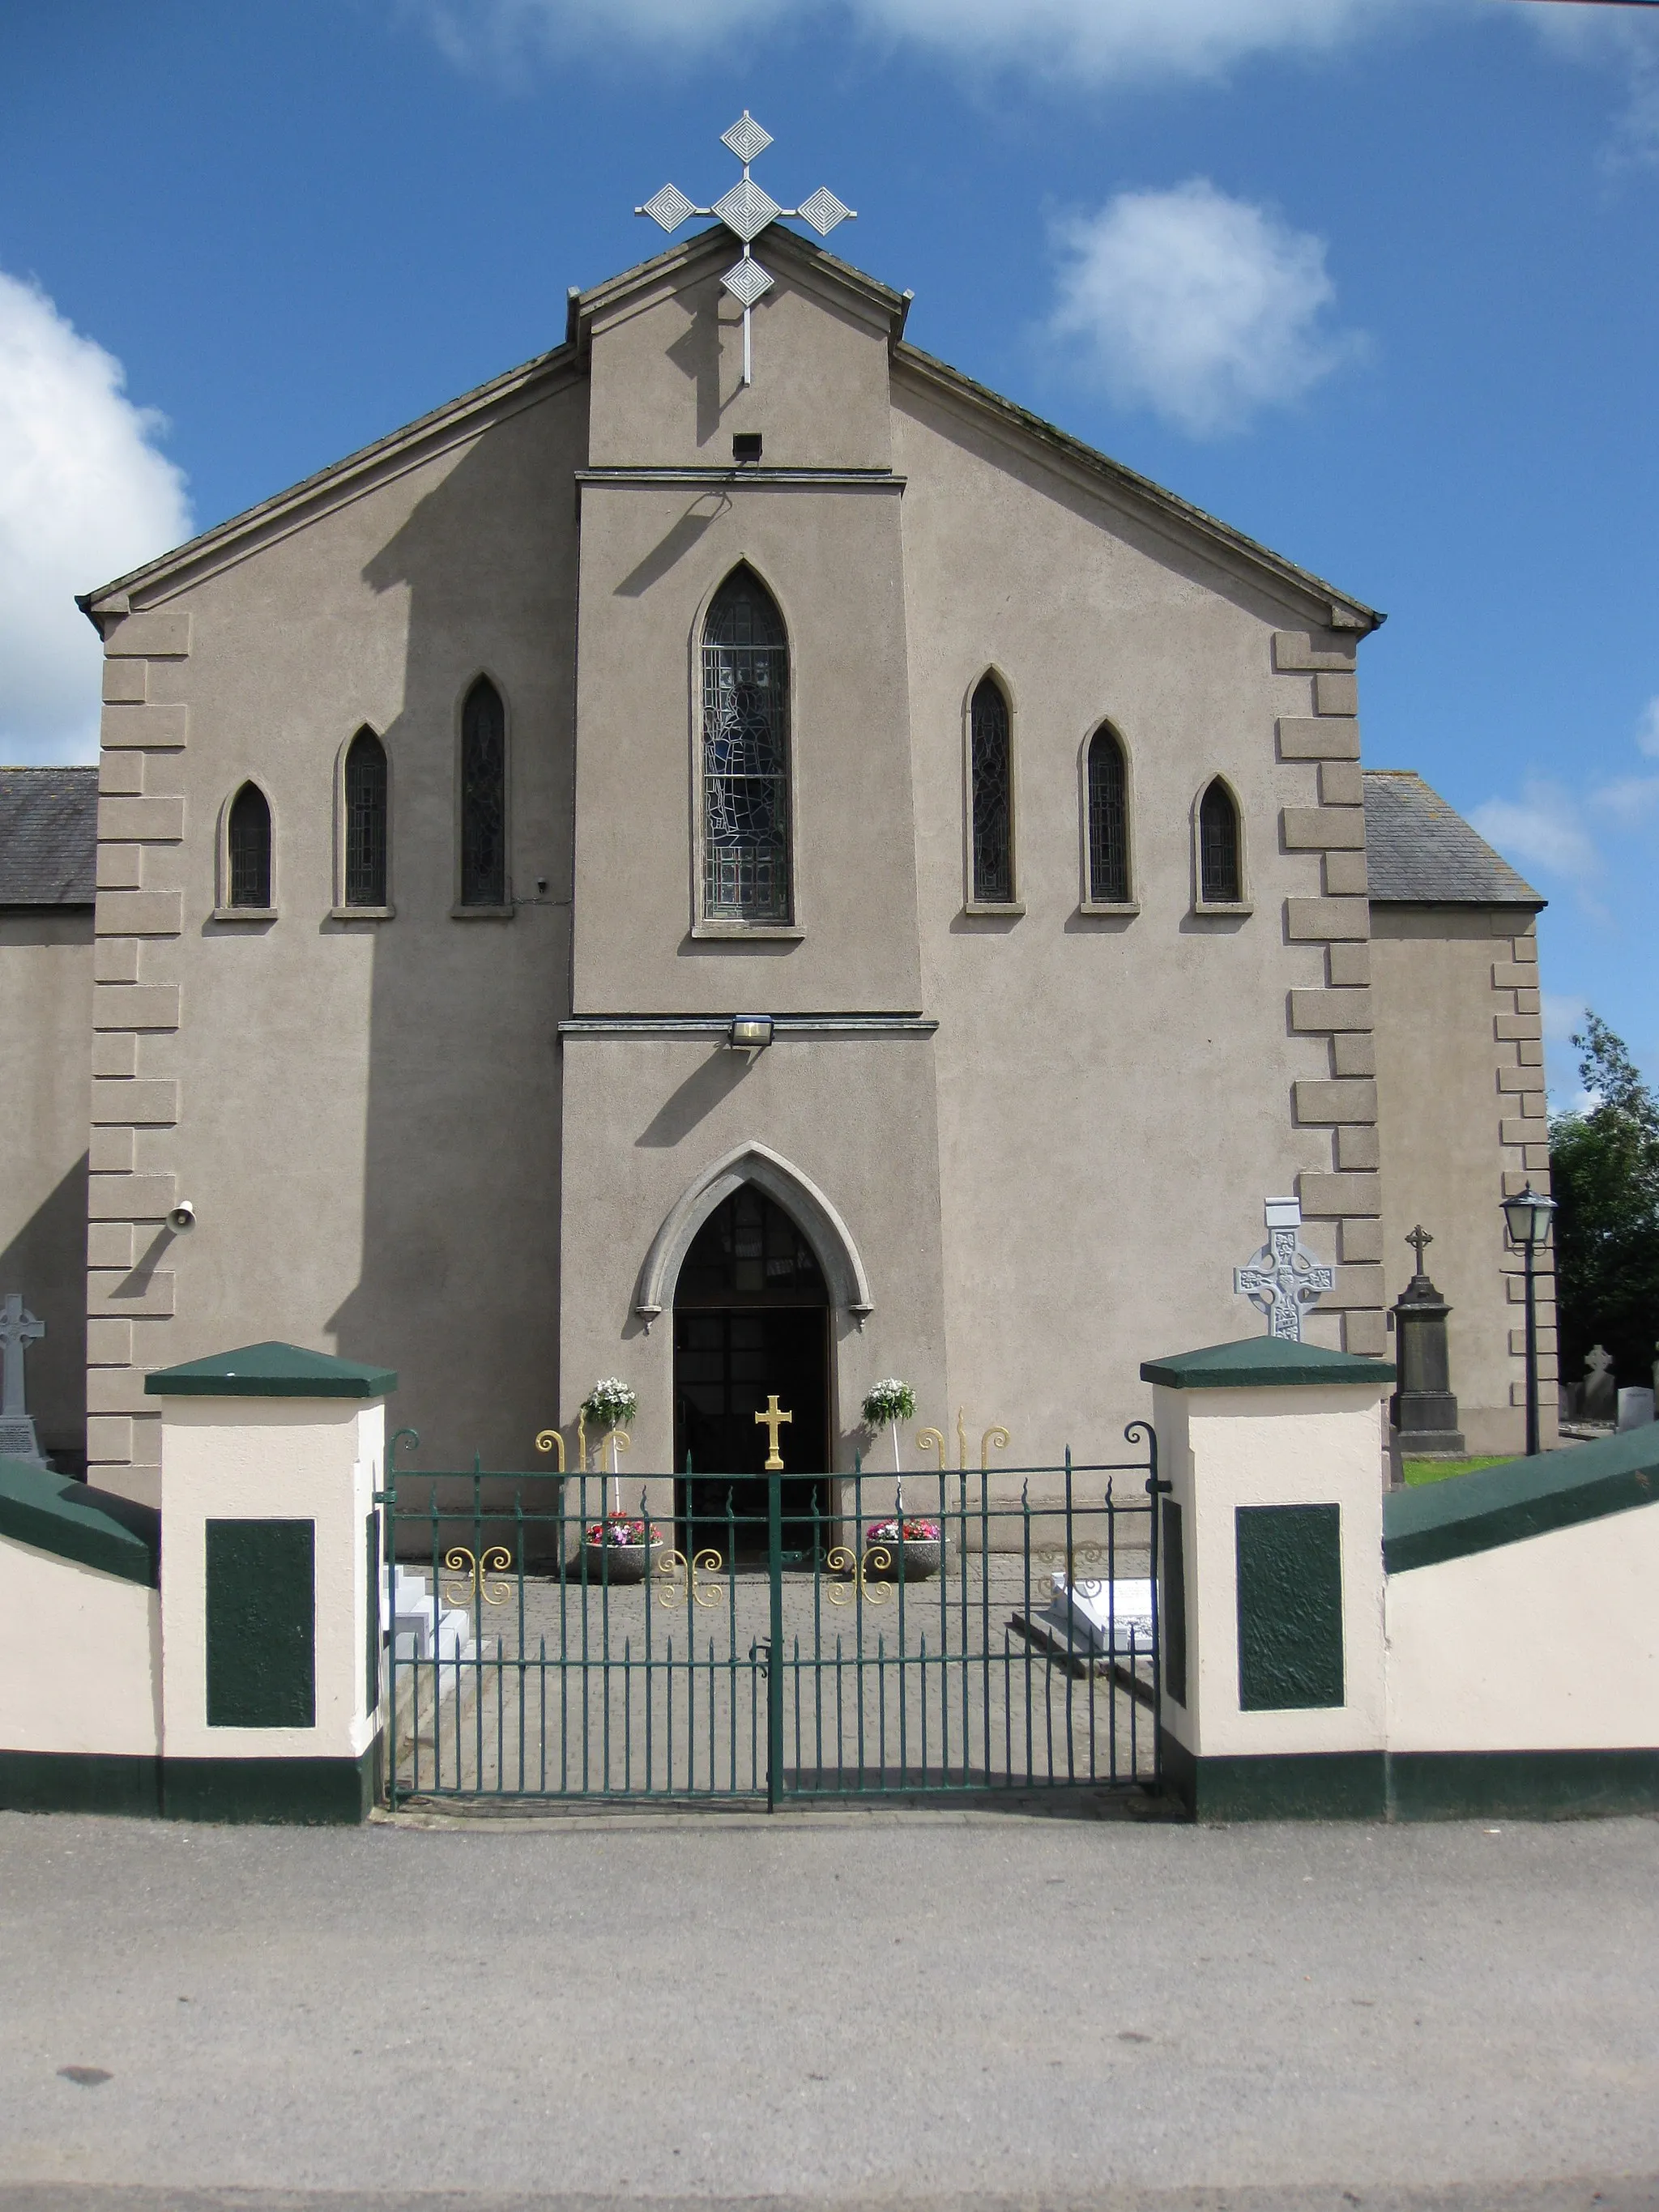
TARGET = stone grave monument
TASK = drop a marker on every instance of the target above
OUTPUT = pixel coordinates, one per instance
(1601, 1399)
(1424, 1410)
(18, 1329)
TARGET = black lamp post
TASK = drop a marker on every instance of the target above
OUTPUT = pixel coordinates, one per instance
(1528, 1216)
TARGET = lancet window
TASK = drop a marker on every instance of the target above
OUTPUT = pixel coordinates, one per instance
(1220, 878)
(991, 780)
(483, 797)
(248, 848)
(745, 756)
(1108, 822)
(365, 822)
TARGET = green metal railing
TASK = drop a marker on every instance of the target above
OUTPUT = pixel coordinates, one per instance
(805, 1653)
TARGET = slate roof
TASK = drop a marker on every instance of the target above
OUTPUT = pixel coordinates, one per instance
(1420, 852)
(48, 835)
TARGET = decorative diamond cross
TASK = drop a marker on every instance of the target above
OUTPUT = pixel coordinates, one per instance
(1281, 1280)
(746, 211)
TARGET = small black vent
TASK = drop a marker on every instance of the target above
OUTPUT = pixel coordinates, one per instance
(746, 446)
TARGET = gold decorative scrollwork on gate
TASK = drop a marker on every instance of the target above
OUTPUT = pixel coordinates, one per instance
(690, 1582)
(550, 1440)
(496, 1560)
(997, 1435)
(857, 1589)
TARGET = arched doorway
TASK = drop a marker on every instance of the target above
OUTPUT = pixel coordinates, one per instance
(751, 1320)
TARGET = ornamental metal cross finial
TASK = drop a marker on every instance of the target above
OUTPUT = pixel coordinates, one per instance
(1418, 1237)
(772, 1421)
(746, 209)
(1281, 1280)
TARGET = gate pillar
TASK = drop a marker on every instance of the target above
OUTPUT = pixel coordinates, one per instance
(1271, 1579)
(272, 1585)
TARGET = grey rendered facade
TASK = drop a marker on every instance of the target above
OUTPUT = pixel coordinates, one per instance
(1026, 1139)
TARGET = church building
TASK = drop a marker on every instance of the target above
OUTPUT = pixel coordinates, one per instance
(734, 858)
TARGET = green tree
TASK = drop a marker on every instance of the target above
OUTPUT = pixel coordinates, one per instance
(1604, 1170)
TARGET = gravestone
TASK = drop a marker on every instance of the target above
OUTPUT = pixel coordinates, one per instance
(1635, 1409)
(18, 1329)
(1424, 1410)
(1601, 1399)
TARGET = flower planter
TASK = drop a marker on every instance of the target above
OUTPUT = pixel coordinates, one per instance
(886, 1559)
(615, 1550)
(620, 1563)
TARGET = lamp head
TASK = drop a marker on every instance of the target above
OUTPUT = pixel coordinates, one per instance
(1528, 1215)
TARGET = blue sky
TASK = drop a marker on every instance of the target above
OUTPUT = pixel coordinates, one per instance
(1372, 279)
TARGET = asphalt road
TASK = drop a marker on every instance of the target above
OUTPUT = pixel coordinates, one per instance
(850, 2009)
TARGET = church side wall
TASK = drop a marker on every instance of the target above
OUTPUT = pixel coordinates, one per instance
(363, 1113)
(46, 1017)
(1462, 1115)
(1118, 1093)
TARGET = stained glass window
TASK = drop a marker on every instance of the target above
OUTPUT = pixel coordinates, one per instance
(745, 756)
(365, 821)
(1108, 822)
(483, 797)
(1218, 846)
(993, 797)
(250, 848)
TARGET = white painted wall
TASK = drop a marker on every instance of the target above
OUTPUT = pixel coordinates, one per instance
(79, 1657)
(1549, 1644)
(266, 1458)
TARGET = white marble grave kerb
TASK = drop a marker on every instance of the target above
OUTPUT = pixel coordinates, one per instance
(18, 1329)
(1282, 1280)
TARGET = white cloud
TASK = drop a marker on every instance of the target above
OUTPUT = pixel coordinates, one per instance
(84, 495)
(1541, 830)
(1098, 39)
(1626, 41)
(1204, 308)
(1647, 730)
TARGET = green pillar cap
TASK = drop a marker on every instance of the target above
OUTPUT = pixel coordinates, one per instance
(1263, 1363)
(271, 1370)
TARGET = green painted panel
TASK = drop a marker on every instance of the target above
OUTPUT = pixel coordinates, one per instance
(278, 1792)
(374, 1569)
(1522, 1785)
(1173, 1626)
(1290, 1605)
(79, 1782)
(261, 1624)
(1316, 1785)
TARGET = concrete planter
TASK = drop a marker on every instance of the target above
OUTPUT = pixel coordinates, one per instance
(620, 1563)
(913, 1561)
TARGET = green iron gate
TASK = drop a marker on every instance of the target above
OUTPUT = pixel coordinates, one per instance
(542, 1644)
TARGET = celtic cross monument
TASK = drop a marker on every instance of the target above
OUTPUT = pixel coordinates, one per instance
(18, 1329)
(1281, 1280)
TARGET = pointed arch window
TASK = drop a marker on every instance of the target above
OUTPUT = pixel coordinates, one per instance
(745, 756)
(483, 797)
(992, 788)
(365, 821)
(247, 854)
(1109, 821)
(1220, 876)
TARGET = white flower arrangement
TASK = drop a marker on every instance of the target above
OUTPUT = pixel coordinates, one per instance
(610, 1404)
(891, 1401)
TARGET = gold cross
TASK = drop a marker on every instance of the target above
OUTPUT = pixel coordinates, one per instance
(772, 1421)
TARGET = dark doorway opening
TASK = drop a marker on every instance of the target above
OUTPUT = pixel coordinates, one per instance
(752, 1321)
